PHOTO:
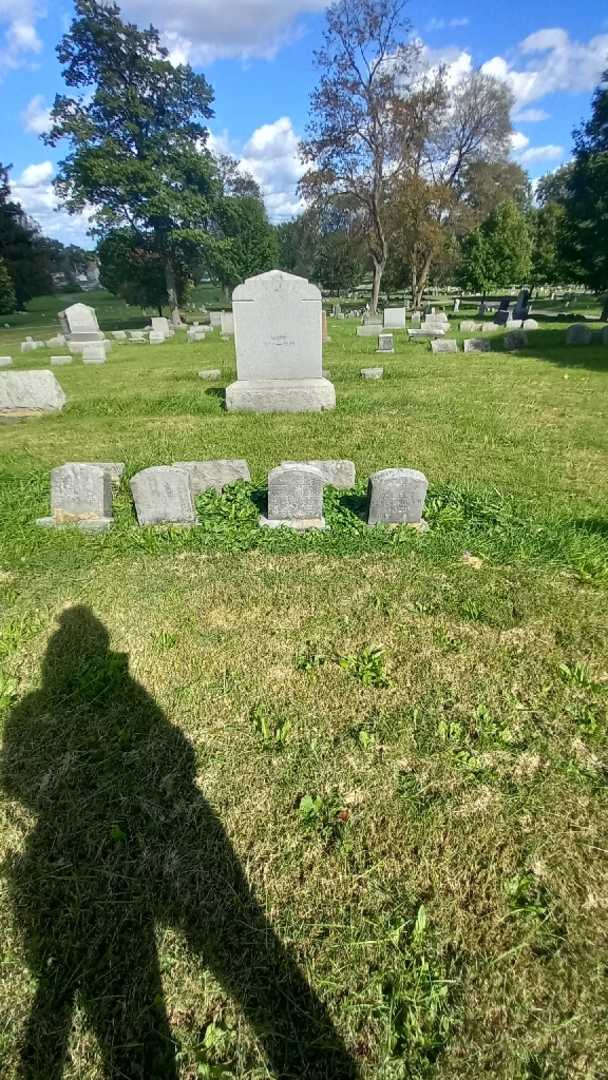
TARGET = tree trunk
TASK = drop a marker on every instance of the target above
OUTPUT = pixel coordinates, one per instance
(171, 281)
(422, 280)
(414, 283)
(604, 315)
(378, 272)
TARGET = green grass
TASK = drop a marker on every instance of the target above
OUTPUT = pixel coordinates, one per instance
(323, 805)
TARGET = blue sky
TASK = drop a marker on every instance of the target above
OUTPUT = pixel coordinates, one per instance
(257, 54)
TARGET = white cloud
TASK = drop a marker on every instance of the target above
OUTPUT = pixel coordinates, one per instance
(447, 24)
(272, 157)
(19, 38)
(37, 116)
(205, 30)
(456, 62)
(34, 190)
(530, 116)
(519, 141)
(548, 61)
(551, 152)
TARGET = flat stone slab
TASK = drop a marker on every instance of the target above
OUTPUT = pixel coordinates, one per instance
(369, 330)
(425, 332)
(394, 318)
(120, 335)
(214, 475)
(529, 324)
(477, 345)
(210, 374)
(6, 361)
(60, 361)
(469, 326)
(372, 372)
(339, 473)
(396, 497)
(94, 525)
(95, 352)
(163, 496)
(30, 392)
(439, 345)
(280, 395)
(300, 524)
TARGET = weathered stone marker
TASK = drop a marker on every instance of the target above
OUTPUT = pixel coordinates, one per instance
(215, 319)
(277, 321)
(6, 361)
(386, 343)
(372, 372)
(394, 318)
(156, 337)
(339, 473)
(295, 498)
(161, 325)
(81, 495)
(477, 345)
(214, 475)
(210, 374)
(30, 392)
(444, 345)
(577, 334)
(469, 326)
(516, 339)
(368, 330)
(396, 497)
(529, 324)
(120, 335)
(94, 352)
(79, 326)
(227, 323)
(163, 496)
(60, 361)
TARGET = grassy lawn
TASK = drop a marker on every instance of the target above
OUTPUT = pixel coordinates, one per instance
(316, 806)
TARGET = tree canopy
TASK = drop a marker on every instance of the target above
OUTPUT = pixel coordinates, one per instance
(21, 247)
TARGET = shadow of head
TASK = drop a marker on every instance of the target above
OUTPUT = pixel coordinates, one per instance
(78, 662)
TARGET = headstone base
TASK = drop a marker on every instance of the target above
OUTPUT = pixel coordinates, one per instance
(280, 395)
(85, 524)
(301, 524)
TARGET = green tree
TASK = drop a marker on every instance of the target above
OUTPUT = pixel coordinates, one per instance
(497, 254)
(137, 134)
(250, 243)
(21, 247)
(546, 225)
(130, 268)
(585, 233)
(8, 300)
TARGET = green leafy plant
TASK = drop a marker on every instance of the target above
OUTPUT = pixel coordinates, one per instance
(578, 675)
(367, 666)
(272, 728)
(309, 658)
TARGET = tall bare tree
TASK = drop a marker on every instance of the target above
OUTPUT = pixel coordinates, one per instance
(359, 131)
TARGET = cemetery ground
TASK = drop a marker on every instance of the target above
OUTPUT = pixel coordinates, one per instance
(398, 739)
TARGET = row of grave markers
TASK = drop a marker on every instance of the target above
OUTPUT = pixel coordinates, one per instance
(81, 493)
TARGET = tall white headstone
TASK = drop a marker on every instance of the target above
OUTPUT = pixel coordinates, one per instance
(277, 332)
(80, 326)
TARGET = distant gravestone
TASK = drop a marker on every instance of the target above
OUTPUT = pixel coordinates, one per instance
(53, 342)
(277, 321)
(163, 496)
(517, 339)
(339, 474)
(442, 345)
(368, 330)
(161, 325)
(210, 374)
(227, 323)
(30, 392)
(156, 337)
(469, 326)
(394, 318)
(195, 333)
(81, 495)
(529, 324)
(215, 319)
(6, 361)
(94, 353)
(456, 307)
(372, 320)
(386, 343)
(295, 498)
(60, 361)
(28, 346)
(325, 338)
(522, 305)
(396, 497)
(79, 325)
(120, 335)
(372, 372)
(214, 475)
(578, 334)
(477, 345)
(137, 335)
(415, 319)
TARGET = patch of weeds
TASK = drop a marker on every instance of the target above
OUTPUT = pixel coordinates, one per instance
(325, 816)
(530, 902)
(214, 1046)
(12, 636)
(165, 640)
(8, 692)
(309, 658)
(489, 731)
(414, 794)
(589, 720)
(368, 667)
(272, 728)
(577, 675)
(367, 740)
(447, 643)
(416, 998)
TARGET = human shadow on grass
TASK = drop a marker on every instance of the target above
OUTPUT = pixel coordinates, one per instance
(124, 840)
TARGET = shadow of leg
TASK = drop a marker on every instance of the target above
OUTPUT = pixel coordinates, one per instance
(45, 1039)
